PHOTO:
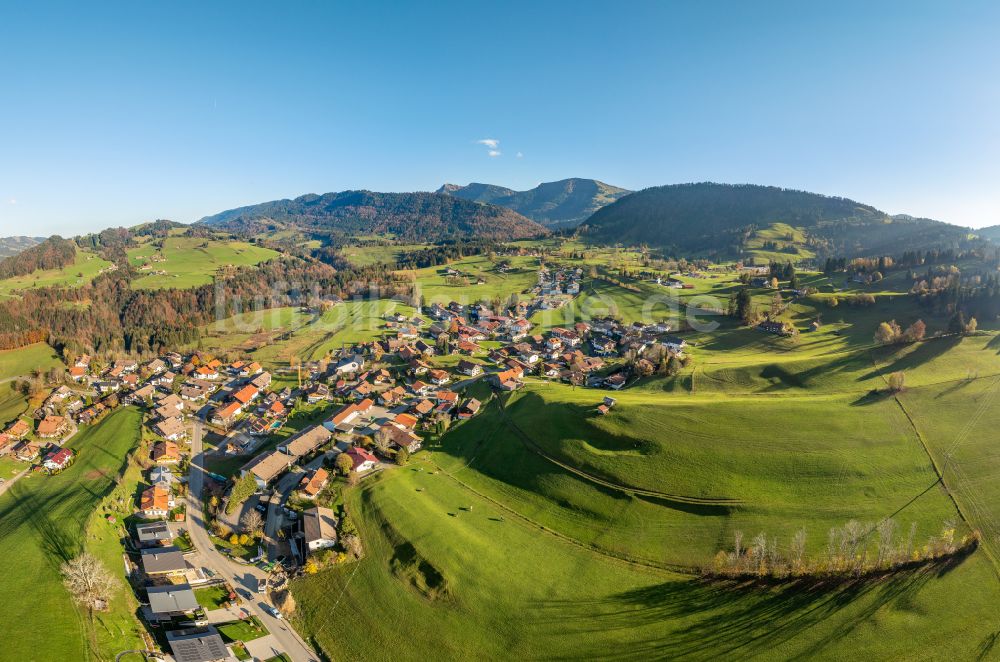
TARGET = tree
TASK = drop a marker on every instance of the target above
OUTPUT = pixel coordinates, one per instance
(896, 381)
(243, 489)
(234, 539)
(971, 327)
(344, 464)
(402, 456)
(915, 332)
(383, 437)
(253, 523)
(88, 581)
(244, 539)
(311, 567)
(888, 333)
(352, 544)
(957, 323)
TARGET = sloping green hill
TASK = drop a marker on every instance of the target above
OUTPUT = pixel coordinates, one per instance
(563, 203)
(720, 219)
(406, 216)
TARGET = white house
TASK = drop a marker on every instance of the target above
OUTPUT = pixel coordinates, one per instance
(319, 528)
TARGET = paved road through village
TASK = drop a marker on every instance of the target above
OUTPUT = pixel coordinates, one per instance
(240, 576)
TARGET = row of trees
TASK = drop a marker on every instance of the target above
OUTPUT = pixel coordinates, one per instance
(852, 550)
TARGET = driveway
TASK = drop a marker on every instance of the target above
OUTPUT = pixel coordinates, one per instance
(239, 576)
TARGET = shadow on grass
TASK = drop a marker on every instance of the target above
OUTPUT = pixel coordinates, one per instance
(872, 397)
(716, 619)
(924, 352)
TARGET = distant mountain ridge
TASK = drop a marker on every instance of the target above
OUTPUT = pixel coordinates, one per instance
(564, 203)
(13, 245)
(719, 219)
(408, 216)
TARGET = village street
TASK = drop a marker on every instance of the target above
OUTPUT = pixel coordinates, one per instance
(243, 578)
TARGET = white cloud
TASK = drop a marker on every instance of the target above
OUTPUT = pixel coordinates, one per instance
(519, 155)
(12, 201)
(492, 143)
(494, 152)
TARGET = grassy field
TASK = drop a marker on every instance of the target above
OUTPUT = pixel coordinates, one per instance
(454, 576)
(86, 267)
(790, 245)
(189, 262)
(16, 363)
(437, 287)
(42, 524)
(364, 256)
(276, 337)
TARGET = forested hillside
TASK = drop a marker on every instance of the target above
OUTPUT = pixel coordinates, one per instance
(566, 202)
(717, 219)
(404, 216)
(53, 253)
(14, 245)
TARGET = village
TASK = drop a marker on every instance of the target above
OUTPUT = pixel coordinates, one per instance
(370, 406)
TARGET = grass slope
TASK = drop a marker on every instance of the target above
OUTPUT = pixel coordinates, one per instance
(86, 267)
(189, 261)
(42, 524)
(453, 576)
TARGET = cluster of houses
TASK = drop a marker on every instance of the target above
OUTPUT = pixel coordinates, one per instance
(168, 580)
(39, 445)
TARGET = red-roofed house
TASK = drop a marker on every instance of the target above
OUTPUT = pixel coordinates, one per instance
(362, 459)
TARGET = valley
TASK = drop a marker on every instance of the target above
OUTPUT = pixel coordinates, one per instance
(559, 446)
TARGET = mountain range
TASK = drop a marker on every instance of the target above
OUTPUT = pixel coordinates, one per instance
(564, 203)
(14, 245)
(404, 216)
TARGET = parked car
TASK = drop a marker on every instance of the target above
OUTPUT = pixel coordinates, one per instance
(261, 585)
(261, 507)
(273, 612)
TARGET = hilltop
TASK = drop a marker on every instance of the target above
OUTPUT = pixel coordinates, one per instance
(566, 202)
(723, 220)
(406, 216)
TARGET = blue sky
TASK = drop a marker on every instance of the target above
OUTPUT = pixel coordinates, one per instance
(116, 113)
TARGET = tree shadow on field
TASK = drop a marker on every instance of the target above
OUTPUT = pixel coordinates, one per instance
(994, 343)
(924, 352)
(872, 397)
(701, 619)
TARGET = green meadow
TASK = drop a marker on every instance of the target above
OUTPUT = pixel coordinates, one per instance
(43, 523)
(454, 574)
(183, 262)
(437, 287)
(86, 267)
(18, 363)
